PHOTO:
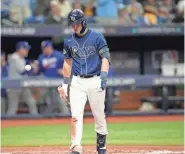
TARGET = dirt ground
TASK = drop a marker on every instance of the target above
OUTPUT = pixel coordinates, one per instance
(91, 149)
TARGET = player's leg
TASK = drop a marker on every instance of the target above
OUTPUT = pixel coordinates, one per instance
(78, 99)
(28, 98)
(97, 103)
(13, 100)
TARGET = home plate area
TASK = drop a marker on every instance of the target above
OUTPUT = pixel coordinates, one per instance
(91, 150)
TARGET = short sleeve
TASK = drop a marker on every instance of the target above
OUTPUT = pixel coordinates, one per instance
(66, 51)
(101, 42)
(102, 48)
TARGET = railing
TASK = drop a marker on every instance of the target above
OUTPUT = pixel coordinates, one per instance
(112, 30)
(127, 82)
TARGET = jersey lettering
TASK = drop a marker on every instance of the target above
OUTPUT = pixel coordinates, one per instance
(83, 53)
(50, 63)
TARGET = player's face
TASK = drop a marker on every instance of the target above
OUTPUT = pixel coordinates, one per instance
(24, 52)
(77, 28)
(47, 51)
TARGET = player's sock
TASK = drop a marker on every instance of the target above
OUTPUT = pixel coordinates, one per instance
(101, 142)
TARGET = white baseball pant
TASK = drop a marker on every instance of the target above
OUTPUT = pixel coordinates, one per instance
(82, 89)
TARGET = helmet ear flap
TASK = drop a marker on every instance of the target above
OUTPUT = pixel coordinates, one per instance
(84, 26)
(84, 23)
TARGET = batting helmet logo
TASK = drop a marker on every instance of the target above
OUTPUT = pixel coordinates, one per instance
(72, 18)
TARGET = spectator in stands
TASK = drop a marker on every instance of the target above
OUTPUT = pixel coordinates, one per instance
(106, 8)
(4, 74)
(180, 12)
(124, 17)
(19, 10)
(135, 9)
(55, 14)
(17, 71)
(150, 12)
(65, 7)
(90, 9)
(50, 64)
(78, 5)
(165, 9)
(42, 7)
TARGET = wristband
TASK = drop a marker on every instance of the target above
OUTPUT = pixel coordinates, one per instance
(103, 75)
(66, 80)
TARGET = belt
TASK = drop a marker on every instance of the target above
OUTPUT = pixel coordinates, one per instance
(86, 76)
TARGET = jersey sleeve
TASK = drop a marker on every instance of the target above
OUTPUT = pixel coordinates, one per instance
(101, 42)
(66, 51)
(102, 47)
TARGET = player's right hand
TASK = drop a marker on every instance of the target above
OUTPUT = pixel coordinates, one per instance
(63, 91)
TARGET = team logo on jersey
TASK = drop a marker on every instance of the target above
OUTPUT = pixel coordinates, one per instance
(83, 53)
(49, 63)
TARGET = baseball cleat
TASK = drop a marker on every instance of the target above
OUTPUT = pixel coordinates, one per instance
(102, 151)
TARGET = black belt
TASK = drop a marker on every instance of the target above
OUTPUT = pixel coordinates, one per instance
(86, 76)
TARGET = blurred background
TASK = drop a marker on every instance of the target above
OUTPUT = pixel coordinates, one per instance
(146, 41)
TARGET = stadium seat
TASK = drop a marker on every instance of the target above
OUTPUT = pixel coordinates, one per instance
(141, 21)
(91, 20)
(161, 20)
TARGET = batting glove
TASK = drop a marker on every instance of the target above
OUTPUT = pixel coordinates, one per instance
(103, 77)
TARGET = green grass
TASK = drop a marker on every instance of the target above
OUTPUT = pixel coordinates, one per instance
(154, 133)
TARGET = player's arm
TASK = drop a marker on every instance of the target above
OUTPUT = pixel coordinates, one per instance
(67, 67)
(37, 66)
(105, 65)
(105, 56)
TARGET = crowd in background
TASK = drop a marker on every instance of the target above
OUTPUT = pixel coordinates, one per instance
(125, 12)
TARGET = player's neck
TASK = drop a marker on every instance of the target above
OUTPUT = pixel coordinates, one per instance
(83, 33)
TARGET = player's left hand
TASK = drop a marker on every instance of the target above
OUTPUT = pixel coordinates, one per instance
(103, 84)
(103, 77)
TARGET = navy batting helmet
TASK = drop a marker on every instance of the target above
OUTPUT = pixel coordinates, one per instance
(76, 16)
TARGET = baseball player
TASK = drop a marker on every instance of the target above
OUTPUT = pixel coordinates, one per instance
(87, 61)
(17, 70)
(50, 64)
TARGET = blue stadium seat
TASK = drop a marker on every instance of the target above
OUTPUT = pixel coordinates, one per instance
(141, 21)
(91, 20)
(161, 19)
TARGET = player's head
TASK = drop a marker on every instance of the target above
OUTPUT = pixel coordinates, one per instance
(47, 47)
(22, 48)
(77, 20)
